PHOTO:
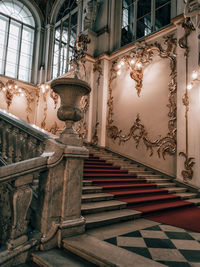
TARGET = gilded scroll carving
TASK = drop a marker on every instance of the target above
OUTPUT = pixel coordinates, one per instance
(97, 68)
(183, 43)
(11, 89)
(188, 164)
(45, 91)
(81, 126)
(79, 49)
(144, 55)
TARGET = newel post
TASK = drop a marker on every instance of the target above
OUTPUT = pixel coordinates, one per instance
(61, 216)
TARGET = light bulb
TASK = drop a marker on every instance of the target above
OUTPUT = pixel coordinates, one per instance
(119, 72)
(4, 89)
(47, 86)
(16, 86)
(22, 94)
(189, 87)
(194, 75)
(132, 61)
(122, 63)
(119, 66)
(10, 86)
(20, 90)
(139, 65)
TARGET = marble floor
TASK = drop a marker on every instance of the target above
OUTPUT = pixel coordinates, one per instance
(168, 245)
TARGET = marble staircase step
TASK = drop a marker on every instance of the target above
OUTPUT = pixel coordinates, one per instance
(87, 182)
(161, 185)
(58, 258)
(104, 254)
(186, 195)
(176, 189)
(139, 172)
(109, 217)
(96, 197)
(157, 180)
(196, 201)
(91, 189)
(100, 206)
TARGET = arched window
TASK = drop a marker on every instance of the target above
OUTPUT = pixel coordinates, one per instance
(17, 28)
(142, 17)
(65, 35)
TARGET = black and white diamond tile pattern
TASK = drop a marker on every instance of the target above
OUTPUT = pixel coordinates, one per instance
(166, 244)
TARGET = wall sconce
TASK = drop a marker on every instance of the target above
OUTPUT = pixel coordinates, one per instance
(136, 70)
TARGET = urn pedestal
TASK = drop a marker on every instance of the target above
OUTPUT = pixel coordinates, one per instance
(70, 91)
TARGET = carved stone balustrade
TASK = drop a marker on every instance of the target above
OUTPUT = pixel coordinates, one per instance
(18, 140)
(15, 199)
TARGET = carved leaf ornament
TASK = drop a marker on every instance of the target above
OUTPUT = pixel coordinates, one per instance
(141, 55)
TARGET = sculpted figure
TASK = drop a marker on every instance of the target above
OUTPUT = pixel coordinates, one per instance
(90, 13)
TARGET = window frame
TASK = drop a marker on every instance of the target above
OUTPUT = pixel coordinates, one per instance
(7, 34)
(136, 19)
(68, 45)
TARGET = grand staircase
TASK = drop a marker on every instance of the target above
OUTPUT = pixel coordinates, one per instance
(117, 189)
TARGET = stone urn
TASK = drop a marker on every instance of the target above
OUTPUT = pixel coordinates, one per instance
(70, 91)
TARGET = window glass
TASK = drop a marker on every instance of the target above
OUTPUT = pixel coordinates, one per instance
(142, 17)
(16, 40)
(127, 21)
(65, 35)
(162, 16)
(143, 8)
(160, 3)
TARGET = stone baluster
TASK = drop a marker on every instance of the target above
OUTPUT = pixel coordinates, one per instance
(4, 141)
(10, 148)
(18, 151)
(21, 200)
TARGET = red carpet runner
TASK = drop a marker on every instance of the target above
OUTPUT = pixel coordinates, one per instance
(156, 204)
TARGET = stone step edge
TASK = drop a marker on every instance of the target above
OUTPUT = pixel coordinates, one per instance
(110, 217)
(104, 254)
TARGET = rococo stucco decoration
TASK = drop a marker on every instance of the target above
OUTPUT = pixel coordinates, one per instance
(144, 55)
(97, 68)
(183, 43)
(10, 89)
(45, 91)
(79, 53)
(81, 126)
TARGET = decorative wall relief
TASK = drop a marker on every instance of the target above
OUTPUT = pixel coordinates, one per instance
(11, 89)
(90, 13)
(45, 92)
(97, 68)
(141, 55)
(79, 53)
(183, 43)
(81, 126)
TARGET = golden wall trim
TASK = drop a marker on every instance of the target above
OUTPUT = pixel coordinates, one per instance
(145, 52)
(188, 27)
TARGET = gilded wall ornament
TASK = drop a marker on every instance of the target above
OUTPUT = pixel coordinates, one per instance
(188, 28)
(11, 88)
(95, 137)
(97, 68)
(45, 90)
(81, 126)
(183, 43)
(143, 54)
(79, 52)
(188, 164)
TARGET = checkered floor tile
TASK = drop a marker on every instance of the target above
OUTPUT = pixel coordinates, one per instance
(166, 244)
